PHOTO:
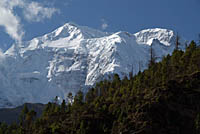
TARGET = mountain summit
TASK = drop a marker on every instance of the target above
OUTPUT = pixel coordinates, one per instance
(73, 58)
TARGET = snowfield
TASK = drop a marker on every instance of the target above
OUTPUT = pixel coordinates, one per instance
(73, 58)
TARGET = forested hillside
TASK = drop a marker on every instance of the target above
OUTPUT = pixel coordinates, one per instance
(164, 99)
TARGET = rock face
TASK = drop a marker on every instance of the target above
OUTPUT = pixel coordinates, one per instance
(72, 58)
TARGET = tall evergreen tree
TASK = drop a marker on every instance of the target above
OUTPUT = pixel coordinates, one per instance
(152, 56)
(63, 105)
(177, 43)
(70, 97)
(23, 114)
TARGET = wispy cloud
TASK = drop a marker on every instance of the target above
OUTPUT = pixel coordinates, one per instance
(9, 20)
(32, 11)
(104, 24)
(35, 12)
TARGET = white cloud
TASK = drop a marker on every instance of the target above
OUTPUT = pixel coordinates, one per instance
(33, 11)
(11, 23)
(36, 12)
(9, 20)
(104, 24)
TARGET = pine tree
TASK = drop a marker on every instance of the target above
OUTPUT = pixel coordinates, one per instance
(79, 98)
(63, 106)
(56, 100)
(90, 96)
(70, 97)
(131, 72)
(30, 117)
(140, 65)
(177, 41)
(186, 45)
(152, 56)
(23, 115)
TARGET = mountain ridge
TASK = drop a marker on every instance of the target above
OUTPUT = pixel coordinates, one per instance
(72, 58)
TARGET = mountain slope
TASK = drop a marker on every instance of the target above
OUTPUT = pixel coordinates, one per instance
(11, 115)
(72, 58)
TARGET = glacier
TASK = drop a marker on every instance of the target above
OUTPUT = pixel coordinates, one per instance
(73, 58)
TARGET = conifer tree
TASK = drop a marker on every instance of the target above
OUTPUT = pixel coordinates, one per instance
(30, 116)
(177, 42)
(152, 56)
(56, 100)
(79, 97)
(23, 115)
(70, 97)
(63, 105)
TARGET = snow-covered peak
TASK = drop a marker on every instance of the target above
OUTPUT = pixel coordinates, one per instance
(74, 57)
(73, 31)
(147, 36)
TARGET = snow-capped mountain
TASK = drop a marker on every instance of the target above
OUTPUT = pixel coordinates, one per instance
(72, 58)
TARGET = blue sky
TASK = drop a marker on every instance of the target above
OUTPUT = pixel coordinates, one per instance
(25, 19)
